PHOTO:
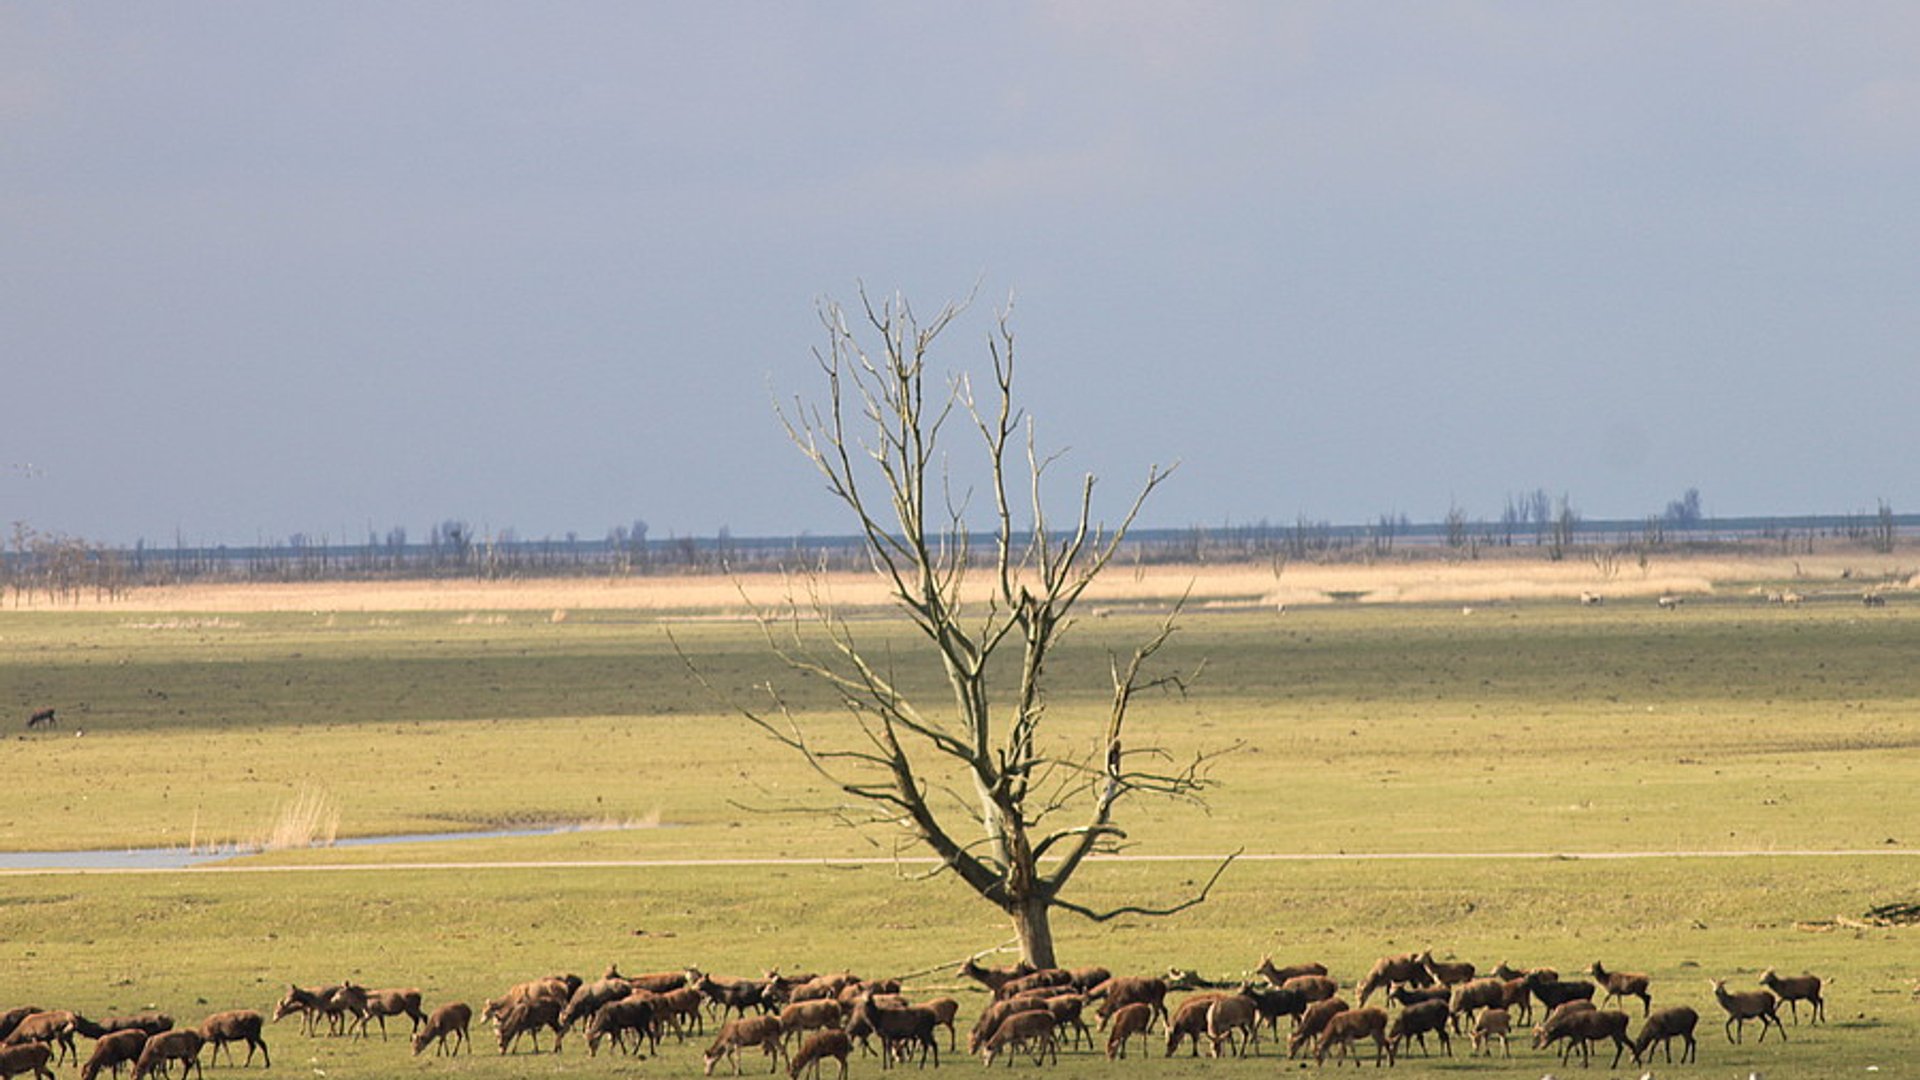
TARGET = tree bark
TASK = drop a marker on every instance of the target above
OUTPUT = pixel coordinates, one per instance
(1034, 930)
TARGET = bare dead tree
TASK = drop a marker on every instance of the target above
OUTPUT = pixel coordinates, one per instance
(976, 779)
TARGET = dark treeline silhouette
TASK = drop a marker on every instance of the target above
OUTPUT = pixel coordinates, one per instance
(62, 569)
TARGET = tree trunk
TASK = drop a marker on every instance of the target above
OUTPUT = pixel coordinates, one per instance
(1035, 931)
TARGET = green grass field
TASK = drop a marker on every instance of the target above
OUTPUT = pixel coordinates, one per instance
(1523, 731)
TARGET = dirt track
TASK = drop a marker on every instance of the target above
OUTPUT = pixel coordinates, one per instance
(657, 864)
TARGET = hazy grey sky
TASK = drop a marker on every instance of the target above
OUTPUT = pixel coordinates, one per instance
(329, 268)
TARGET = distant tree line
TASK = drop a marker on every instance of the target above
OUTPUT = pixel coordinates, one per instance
(50, 567)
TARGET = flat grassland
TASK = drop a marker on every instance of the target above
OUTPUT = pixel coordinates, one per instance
(1484, 752)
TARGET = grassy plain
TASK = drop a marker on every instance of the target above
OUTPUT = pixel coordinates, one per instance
(1529, 730)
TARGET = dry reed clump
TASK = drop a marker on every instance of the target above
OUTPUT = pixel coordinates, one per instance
(310, 819)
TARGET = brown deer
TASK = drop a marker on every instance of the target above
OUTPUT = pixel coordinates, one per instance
(238, 1025)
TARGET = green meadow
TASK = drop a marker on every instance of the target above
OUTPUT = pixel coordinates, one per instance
(1762, 764)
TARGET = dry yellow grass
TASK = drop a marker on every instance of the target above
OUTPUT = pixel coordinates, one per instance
(1425, 579)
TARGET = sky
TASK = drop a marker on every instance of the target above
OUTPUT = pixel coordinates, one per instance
(329, 270)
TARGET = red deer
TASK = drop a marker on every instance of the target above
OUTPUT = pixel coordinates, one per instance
(732, 996)
(1665, 1026)
(1312, 987)
(615, 1019)
(151, 1023)
(343, 1004)
(395, 1002)
(737, 1034)
(1189, 1022)
(806, 1016)
(238, 1025)
(116, 1048)
(1750, 1005)
(1795, 989)
(1622, 984)
(1231, 1015)
(680, 1010)
(816, 1048)
(183, 1045)
(1128, 1021)
(57, 1026)
(1493, 1024)
(1346, 1028)
(1582, 1028)
(1032, 1031)
(1313, 1022)
(659, 982)
(527, 1017)
(12, 1017)
(1445, 973)
(1415, 1021)
(1043, 978)
(996, 1013)
(1391, 971)
(946, 1010)
(450, 1020)
(24, 1057)
(1122, 990)
(901, 1029)
(993, 978)
(1278, 976)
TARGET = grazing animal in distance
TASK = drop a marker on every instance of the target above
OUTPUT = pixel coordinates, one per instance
(1189, 1021)
(1122, 990)
(1665, 1026)
(44, 718)
(1416, 1021)
(1744, 1006)
(740, 1033)
(614, 1019)
(1553, 993)
(395, 1002)
(1621, 984)
(1032, 1031)
(901, 1028)
(527, 1017)
(1582, 1028)
(115, 1048)
(1444, 972)
(56, 1026)
(802, 1017)
(1278, 976)
(237, 1025)
(23, 1057)
(181, 1045)
(1493, 1024)
(12, 1017)
(1126, 1022)
(816, 1048)
(1233, 1021)
(1794, 989)
(1313, 1022)
(152, 1023)
(994, 978)
(449, 1021)
(1346, 1028)
(1390, 971)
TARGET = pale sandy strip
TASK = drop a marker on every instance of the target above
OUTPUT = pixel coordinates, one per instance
(1503, 574)
(658, 864)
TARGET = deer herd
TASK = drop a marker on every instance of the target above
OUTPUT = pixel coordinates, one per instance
(806, 1020)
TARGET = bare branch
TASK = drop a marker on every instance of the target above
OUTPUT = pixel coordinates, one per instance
(1134, 909)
